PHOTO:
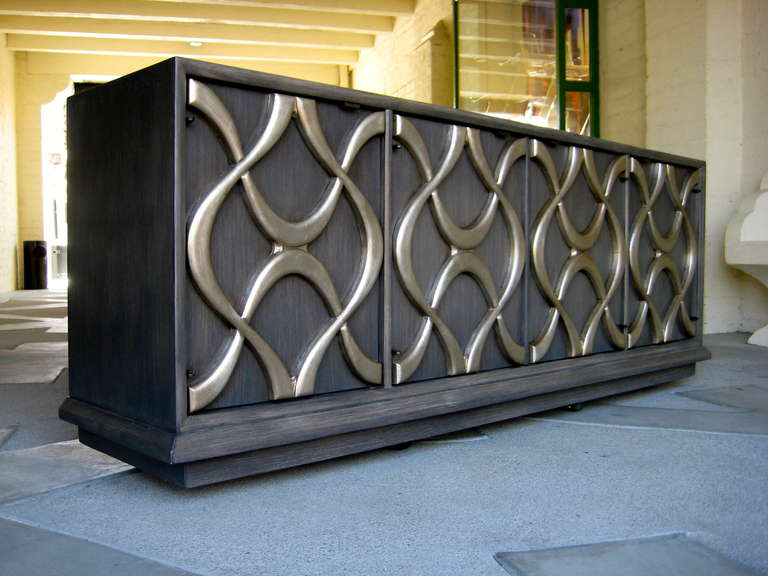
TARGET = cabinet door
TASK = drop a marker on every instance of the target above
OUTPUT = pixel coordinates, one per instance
(665, 207)
(578, 252)
(284, 245)
(458, 247)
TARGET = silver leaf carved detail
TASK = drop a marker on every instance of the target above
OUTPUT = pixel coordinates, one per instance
(662, 327)
(290, 255)
(462, 242)
(579, 342)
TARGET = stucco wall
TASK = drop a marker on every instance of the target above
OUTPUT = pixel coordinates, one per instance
(32, 91)
(725, 287)
(8, 221)
(755, 91)
(676, 83)
(622, 71)
(415, 60)
(706, 89)
(754, 150)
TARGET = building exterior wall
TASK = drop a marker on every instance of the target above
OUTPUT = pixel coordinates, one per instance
(32, 91)
(687, 77)
(415, 61)
(8, 201)
(724, 286)
(622, 71)
(707, 75)
(754, 159)
(676, 82)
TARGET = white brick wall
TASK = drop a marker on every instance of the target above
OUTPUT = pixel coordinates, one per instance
(410, 62)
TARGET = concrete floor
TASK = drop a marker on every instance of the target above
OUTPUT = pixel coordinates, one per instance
(683, 467)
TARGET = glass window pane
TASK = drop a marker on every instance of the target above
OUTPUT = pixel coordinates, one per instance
(577, 112)
(507, 59)
(577, 44)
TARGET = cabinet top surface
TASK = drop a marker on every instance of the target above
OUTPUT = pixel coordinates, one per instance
(185, 67)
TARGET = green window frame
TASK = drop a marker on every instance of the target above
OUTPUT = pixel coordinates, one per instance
(591, 86)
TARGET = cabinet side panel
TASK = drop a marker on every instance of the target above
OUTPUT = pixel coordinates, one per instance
(121, 234)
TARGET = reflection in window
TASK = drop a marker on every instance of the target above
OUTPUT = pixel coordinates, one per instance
(577, 44)
(507, 59)
(577, 112)
(532, 61)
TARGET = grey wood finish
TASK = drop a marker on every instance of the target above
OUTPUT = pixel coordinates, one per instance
(208, 471)
(464, 195)
(292, 182)
(665, 214)
(581, 206)
(143, 162)
(262, 426)
(121, 211)
(265, 81)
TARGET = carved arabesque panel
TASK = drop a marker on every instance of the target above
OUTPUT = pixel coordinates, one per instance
(578, 252)
(663, 252)
(505, 250)
(451, 197)
(289, 247)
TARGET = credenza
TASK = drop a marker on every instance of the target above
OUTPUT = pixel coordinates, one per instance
(267, 272)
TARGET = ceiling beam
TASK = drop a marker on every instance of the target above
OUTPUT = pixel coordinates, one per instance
(95, 65)
(183, 32)
(17, 42)
(196, 12)
(388, 8)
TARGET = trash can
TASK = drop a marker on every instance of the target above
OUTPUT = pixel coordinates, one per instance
(35, 265)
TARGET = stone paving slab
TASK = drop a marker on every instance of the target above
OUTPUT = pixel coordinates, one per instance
(22, 334)
(34, 309)
(33, 409)
(436, 510)
(11, 322)
(47, 294)
(30, 551)
(57, 325)
(427, 510)
(674, 554)
(33, 471)
(5, 433)
(744, 397)
(663, 396)
(39, 362)
(469, 435)
(20, 303)
(42, 311)
(640, 417)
